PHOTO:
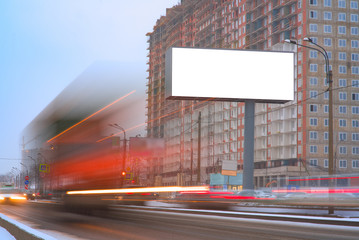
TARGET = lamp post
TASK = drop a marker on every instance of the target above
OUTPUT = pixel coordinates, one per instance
(124, 149)
(330, 117)
(17, 176)
(35, 172)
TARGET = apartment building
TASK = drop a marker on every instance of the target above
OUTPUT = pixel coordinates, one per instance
(290, 139)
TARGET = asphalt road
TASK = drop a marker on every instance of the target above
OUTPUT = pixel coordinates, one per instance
(142, 224)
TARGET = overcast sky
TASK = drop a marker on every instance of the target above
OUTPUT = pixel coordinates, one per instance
(44, 45)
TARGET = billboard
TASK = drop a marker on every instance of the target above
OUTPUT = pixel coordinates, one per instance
(229, 75)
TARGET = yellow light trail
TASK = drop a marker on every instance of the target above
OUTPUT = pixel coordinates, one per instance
(83, 120)
(140, 190)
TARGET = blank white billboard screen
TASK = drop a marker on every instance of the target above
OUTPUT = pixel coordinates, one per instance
(230, 75)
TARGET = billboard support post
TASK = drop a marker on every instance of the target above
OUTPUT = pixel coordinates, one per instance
(248, 162)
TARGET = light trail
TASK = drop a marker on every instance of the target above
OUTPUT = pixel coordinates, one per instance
(109, 105)
(140, 190)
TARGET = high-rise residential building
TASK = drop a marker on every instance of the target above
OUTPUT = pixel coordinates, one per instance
(290, 139)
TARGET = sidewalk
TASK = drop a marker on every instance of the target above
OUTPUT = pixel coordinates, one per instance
(12, 230)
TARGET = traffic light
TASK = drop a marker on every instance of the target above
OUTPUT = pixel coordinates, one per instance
(123, 173)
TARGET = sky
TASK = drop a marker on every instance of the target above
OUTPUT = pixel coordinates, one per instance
(45, 45)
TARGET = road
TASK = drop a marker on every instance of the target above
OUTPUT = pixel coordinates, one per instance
(147, 224)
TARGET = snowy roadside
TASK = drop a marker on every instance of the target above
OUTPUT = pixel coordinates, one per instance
(5, 235)
(11, 229)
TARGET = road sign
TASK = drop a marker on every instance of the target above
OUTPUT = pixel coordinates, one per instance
(26, 187)
(27, 178)
(129, 176)
(27, 182)
(44, 168)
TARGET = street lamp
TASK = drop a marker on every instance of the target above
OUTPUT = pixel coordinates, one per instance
(17, 176)
(115, 125)
(330, 88)
(35, 172)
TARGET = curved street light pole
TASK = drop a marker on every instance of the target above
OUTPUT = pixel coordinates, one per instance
(330, 117)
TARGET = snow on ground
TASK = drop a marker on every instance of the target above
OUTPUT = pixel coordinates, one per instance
(27, 228)
(5, 235)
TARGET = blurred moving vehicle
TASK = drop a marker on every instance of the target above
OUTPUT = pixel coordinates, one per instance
(12, 196)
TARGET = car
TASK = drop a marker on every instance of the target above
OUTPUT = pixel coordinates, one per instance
(12, 196)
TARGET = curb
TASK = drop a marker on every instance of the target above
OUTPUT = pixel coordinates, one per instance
(21, 231)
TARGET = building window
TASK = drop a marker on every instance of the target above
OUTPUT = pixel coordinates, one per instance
(328, 42)
(354, 4)
(355, 70)
(313, 108)
(313, 94)
(313, 121)
(327, 3)
(354, 17)
(355, 83)
(355, 150)
(342, 17)
(355, 123)
(313, 149)
(313, 28)
(354, 31)
(313, 67)
(342, 82)
(326, 94)
(342, 122)
(313, 162)
(313, 14)
(342, 30)
(313, 135)
(326, 135)
(342, 56)
(355, 57)
(313, 81)
(326, 108)
(342, 163)
(313, 54)
(342, 43)
(314, 40)
(326, 148)
(327, 15)
(355, 96)
(342, 69)
(342, 150)
(326, 122)
(341, 3)
(313, 2)
(342, 96)
(355, 163)
(355, 43)
(343, 109)
(326, 163)
(355, 136)
(342, 136)
(327, 28)
(355, 110)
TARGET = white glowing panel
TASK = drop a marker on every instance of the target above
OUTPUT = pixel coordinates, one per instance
(229, 75)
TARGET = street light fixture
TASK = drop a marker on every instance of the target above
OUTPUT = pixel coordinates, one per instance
(330, 88)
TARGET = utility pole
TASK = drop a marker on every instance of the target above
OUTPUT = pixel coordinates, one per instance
(199, 150)
(191, 161)
(330, 126)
